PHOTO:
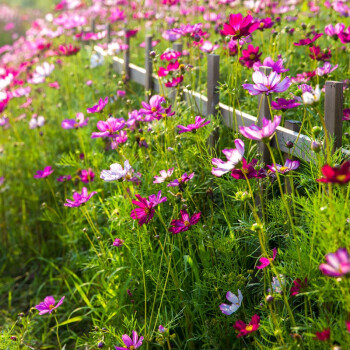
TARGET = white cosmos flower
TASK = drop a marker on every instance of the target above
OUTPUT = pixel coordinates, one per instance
(117, 172)
(235, 300)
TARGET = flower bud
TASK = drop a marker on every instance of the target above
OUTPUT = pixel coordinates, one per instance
(256, 227)
(316, 130)
(315, 146)
(289, 144)
(100, 345)
(13, 337)
(269, 298)
(152, 54)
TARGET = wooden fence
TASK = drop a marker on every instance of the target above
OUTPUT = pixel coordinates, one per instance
(209, 105)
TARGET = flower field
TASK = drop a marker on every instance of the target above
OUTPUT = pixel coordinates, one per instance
(131, 219)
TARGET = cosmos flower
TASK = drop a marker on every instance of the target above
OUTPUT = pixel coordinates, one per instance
(64, 178)
(254, 132)
(170, 55)
(288, 166)
(323, 335)
(326, 69)
(267, 84)
(247, 170)
(234, 157)
(164, 175)
(174, 82)
(283, 104)
(109, 128)
(86, 176)
(118, 242)
(48, 305)
(310, 95)
(250, 56)
(184, 223)
(154, 107)
(99, 106)
(130, 344)
(346, 113)
(180, 181)
(68, 49)
(308, 41)
(269, 62)
(117, 172)
(79, 198)
(246, 329)
(340, 175)
(298, 284)
(239, 26)
(36, 121)
(267, 261)
(317, 54)
(334, 31)
(41, 174)
(236, 303)
(338, 263)
(79, 122)
(199, 123)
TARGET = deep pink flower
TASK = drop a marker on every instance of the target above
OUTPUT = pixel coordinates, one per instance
(340, 175)
(79, 198)
(109, 128)
(318, 55)
(79, 122)
(99, 107)
(265, 23)
(68, 50)
(40, 174)
(267, 261)
(48, 305)
(346, 113)
(153, 108)
(338, 263)
(239, 26)
(254, 132)
(324, 335)
(334, 31)
(288, 166)
(184, 223)
(283, 104)
(246, 329)
(250, 56)
(298, 285)
(64, 178)
(247, 170)
(87, 176)
(130, 344)
(199, 123)
(182, 180)
(145, 212)
(267, 84)
(175, 81)
(118, 242)
(170, 55)
(347, 325)
(117, 15)
(308, 41)
(234, 157)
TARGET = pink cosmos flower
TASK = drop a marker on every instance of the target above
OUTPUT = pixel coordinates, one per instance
(154, 107)
(267, 84)
(298, 284)
(308, 41)
(317, 54)
(239, 26)
(68, 49)
(145, 212)
(338, 263)
(326, 69)
(323, 335)
(40, 174)
(175, 81)
(48, 305)
(247, 170)
(199, 123)
(246, 329)
(288, 166)
(130, 344)
(87, 176)
(182, 180)
(283, 104)
(109, 128)
(164, 176)
(269, 62)
(54, 85)
(236, 303)
(98, 107)
(346, 113)
(254, 132)
(184, 223)
(170, 55)
(79, 122)
(208, 46)
(250, 56)
(79, 198)
(334, 31)
(118, 242)
(64, 178)
(234, 157)
(267, 261)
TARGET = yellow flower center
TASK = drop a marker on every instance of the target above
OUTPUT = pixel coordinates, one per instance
(154, 109)
(51, 307)
(249, 328)
(340, 177)
(283, 168)
(187, 223)
(252, 56)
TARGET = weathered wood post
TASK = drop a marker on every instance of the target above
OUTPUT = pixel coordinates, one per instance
(109, 33)
(333, 111)
(93, 25)
(213, 74)
(127, 56)
(264, 111)
(148, 66)
(177, 47)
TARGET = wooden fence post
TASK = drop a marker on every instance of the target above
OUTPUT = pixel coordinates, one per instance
(109, 33)
(127, 56)
(333, 111)
(264, 111)
(148, 66)
(177, 47)
(93, 25)
(213, 74)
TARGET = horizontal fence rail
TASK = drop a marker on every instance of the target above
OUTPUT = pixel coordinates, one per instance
(234, 118)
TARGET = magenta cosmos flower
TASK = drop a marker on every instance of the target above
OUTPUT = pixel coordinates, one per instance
(98, 107)
(269, 62)
(48, 305)
(267, 84)
(130, 344)
(254, 132)
(40, 174)
(283, 104)
(118, 242)
(267, 261)
(154, 107)
(182, 180)
(250, 56)
(234, 157)
(79, 122)
(298, 285)
(199, 123)
(248, 171)
(288, 166)
(346, 113)
(108, 128)
(86, 176)
(145, 212)
(308, 41)
(184, 223)
(245, 329)
(79, 198)
(340, 175)
(164, 175)
(338, 263)
(239, 26)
